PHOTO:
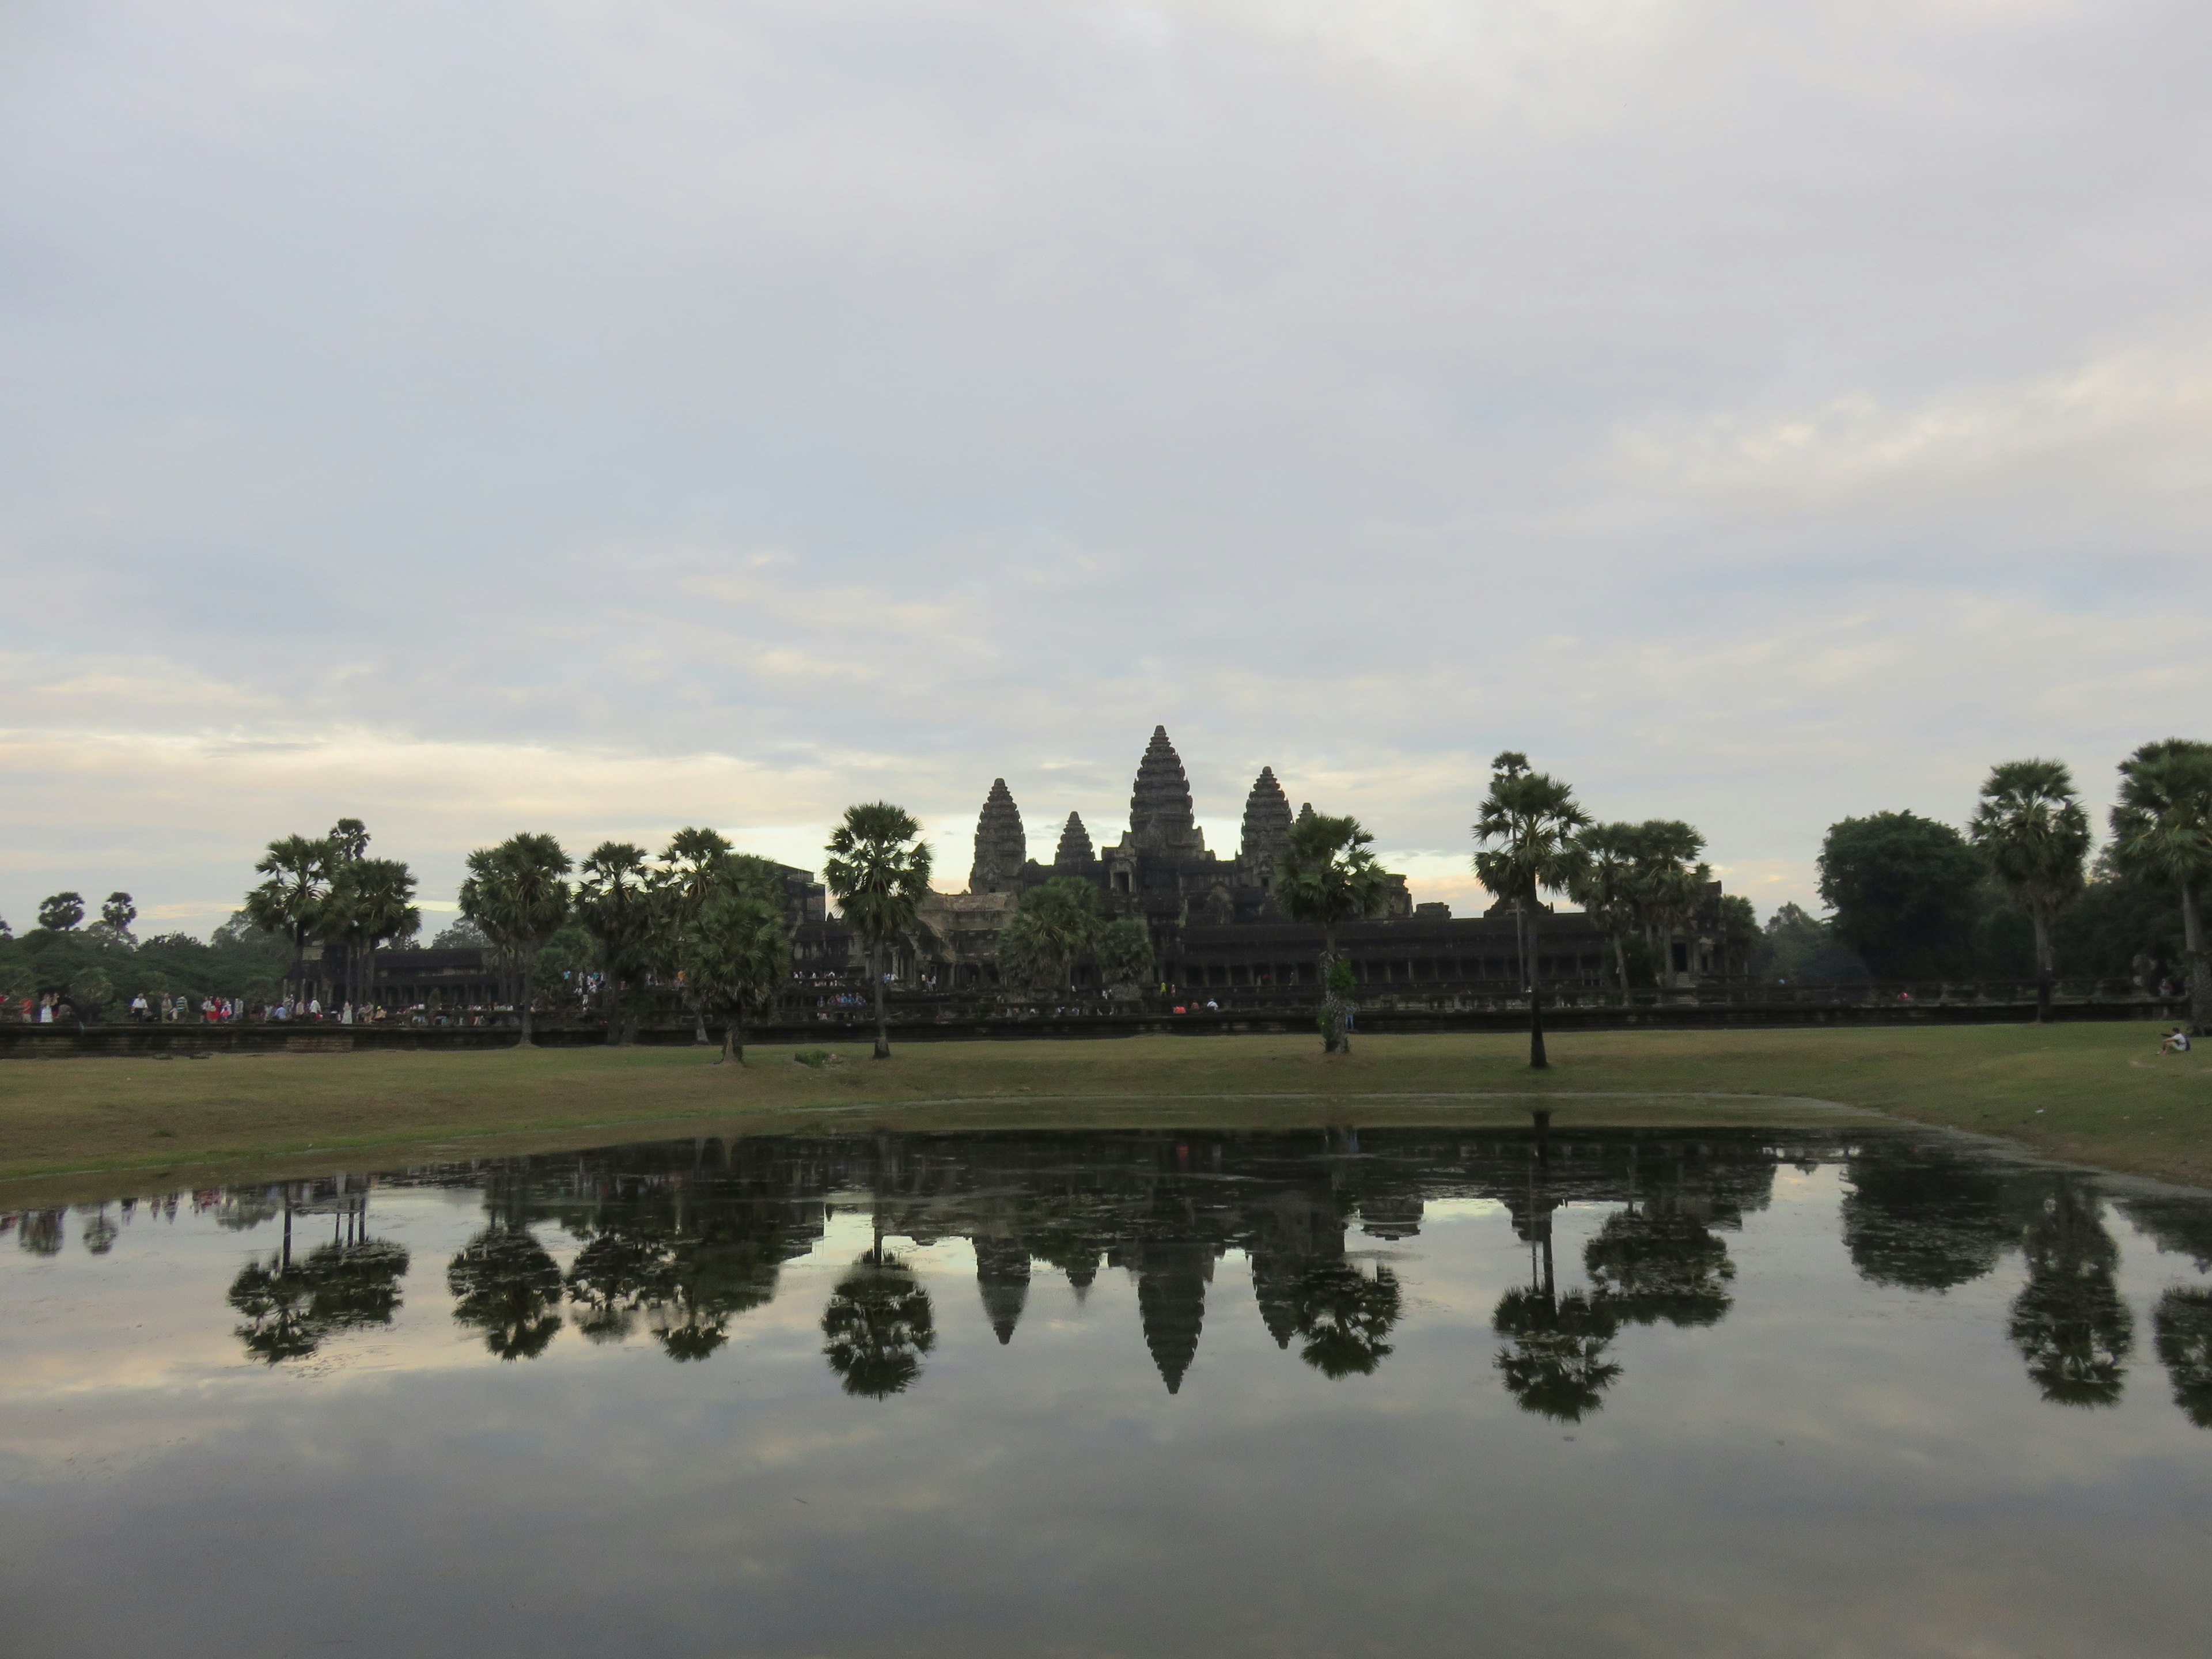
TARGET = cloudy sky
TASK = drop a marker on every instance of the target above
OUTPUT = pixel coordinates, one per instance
(600, 416)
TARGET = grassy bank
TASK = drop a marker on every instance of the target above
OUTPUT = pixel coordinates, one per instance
(82, 1127)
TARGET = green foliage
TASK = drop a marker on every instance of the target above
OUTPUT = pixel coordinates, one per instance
(815, 1057)
(1526, 832)
(735, 954)
(118, 912)
(1327, 875)
(289, 901)
(1803, 949)
(1055, 924)
(879, 870)
(1903, 889)
(518, 894)
(461, 935)
(2162, 832)
(1124, 952)
(61, 912)
(2030, 825)
(91, 990)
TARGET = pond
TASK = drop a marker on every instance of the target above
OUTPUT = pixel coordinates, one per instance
(1848, 1391)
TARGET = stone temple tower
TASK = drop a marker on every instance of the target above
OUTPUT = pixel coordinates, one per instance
(1160, 816)
(1266, 823)
(1000, 846)
(1074, 844)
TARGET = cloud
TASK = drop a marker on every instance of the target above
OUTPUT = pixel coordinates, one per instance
(615, 418)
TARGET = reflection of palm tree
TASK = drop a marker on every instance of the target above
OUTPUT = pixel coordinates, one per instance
(1343, 1316)
(505, 1285)
(1923, 1223)
(277, 1300)
(1651, 1263)
(356, 1285)
(879, 1324)
(706, 1282)
(2068, 1321)
(612, 1275)
(2184, 1348)
(1556, 1364)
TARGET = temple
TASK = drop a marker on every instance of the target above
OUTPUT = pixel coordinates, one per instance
(1213, 920)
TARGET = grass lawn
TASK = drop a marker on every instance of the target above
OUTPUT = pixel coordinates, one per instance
(92, 1128)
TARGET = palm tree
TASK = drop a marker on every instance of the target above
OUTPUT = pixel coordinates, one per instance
(878, 870)
(691, 867)
(370, 905)
(2030, 827)
(290, 901)
(614, 901)
(1060, 922)
(1325, 875)
(1526, 831)
(516, 893)
(736, 954)
(2162, 831)
(1668, 884)
(1605, 884)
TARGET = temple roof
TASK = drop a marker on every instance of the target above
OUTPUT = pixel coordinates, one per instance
(1266, 818)
(1160, 804)
(1075, 843)
(1001, 847)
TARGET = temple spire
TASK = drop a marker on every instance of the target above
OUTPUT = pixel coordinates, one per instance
(1160, 816)
(1267, 820)
(1074, 843)
(1002, 849)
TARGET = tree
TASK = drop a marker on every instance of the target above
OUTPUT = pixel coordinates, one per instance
(1527, 835)
(2030, 827)
(878, 869)
(614, 902)
(1903, 889)
(2162, 831)
(119, 912)
(1804, 950)
(290, 901)
(1059, 922)
(370, 905)
(1124, 951)
(1325, 875)
(90, 991)
(61, 912)
(516, 893)
(1667, 886)
(1605, 886)
(737, 955)
(691, 867)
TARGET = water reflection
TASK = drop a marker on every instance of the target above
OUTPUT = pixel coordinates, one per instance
(350, 1283)
(675, 1244)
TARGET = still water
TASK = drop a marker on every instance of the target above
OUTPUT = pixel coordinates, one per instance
(1744, 1392)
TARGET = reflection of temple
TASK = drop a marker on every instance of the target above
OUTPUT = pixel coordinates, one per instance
(678, 1243)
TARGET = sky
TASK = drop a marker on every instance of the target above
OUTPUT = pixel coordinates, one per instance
(601, 418)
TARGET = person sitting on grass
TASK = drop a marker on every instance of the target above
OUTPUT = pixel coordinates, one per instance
(2175, 1042)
